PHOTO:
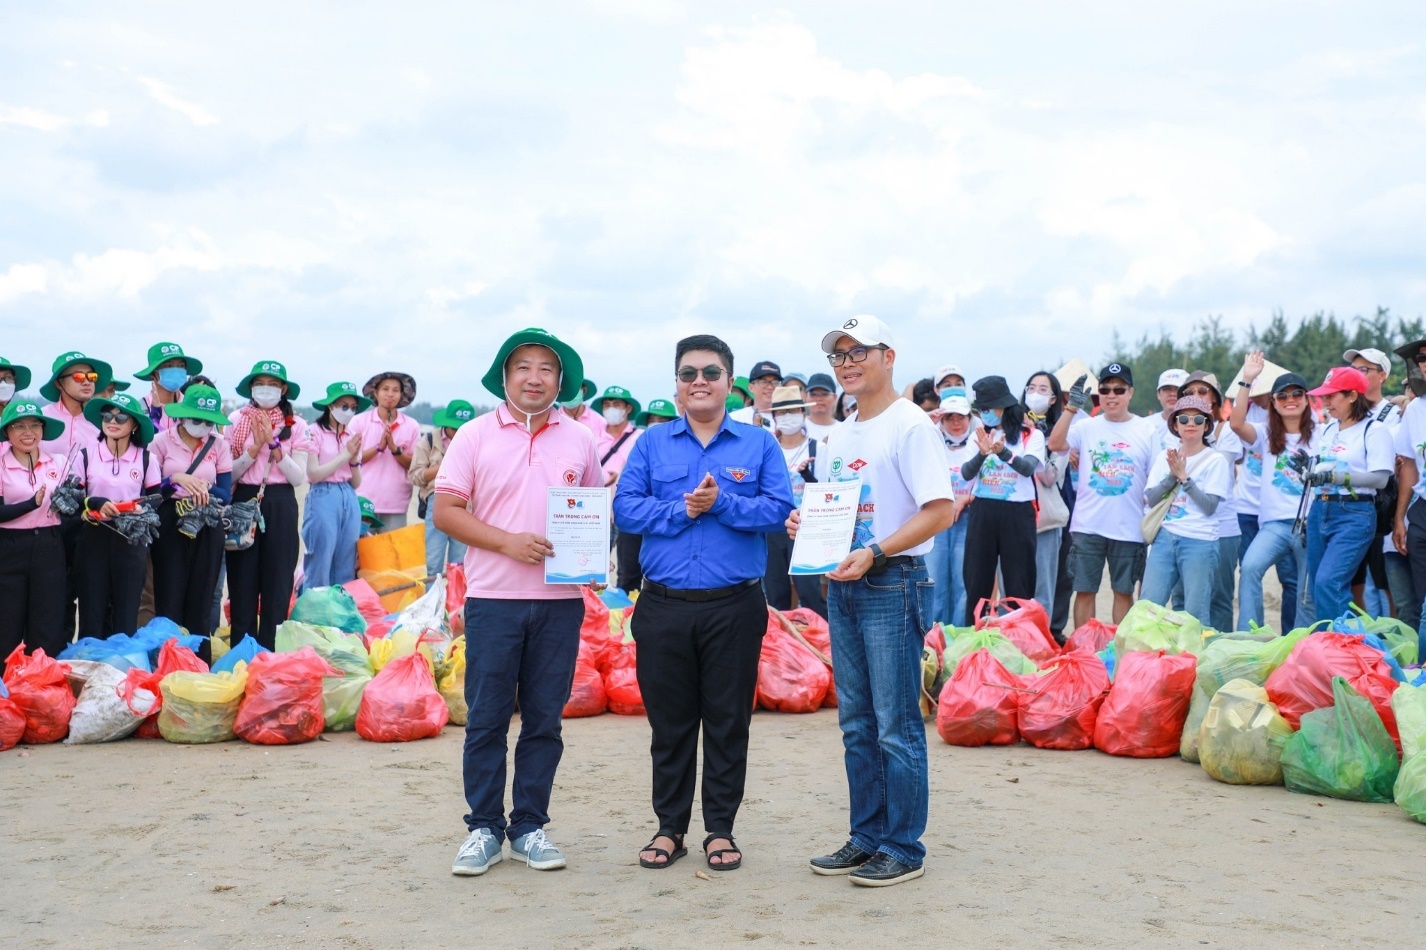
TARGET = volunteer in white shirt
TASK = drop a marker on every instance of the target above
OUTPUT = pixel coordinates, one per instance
(762, 380)
(822, 399)
(946, 560)
(1376, 367)
(1043, 402)
(1221, 438)
(789, 420)
(1409, 536)
(1169, 382)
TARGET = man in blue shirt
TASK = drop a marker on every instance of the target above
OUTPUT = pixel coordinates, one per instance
(702, 490)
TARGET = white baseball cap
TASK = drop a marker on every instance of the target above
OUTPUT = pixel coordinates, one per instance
(864, 328)
(950, 369)
(1173, 377)
(958, 404)
(1371, 355)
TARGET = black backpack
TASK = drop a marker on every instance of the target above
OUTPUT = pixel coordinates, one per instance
(1385, 498)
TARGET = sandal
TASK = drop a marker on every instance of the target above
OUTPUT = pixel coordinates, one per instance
(678, 852)
(729, 866)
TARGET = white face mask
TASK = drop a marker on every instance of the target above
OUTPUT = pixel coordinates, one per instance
(1037, 402)
(7, 391)
(615, 416)
(790, 422)
(267, 396)
(343, 416)
(199, 430)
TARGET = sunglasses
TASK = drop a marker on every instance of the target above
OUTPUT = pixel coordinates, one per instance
(1419, 358)
(856, 354)
(1290, 395)
(84, 377)
(711, 373)
(1113, 390)
(1193, 419)
(113, 415)
(1203, 391)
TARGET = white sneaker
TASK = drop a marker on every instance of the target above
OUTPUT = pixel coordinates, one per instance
(480, 850)
(537, 851)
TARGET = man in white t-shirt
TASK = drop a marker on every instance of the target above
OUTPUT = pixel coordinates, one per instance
(1376, 367)
(1169, 382)
(764, 378)
(1115, 450)
(879, 606)
(822, 401)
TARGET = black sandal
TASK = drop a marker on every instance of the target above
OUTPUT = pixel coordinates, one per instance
(678, 852)
(729, 866)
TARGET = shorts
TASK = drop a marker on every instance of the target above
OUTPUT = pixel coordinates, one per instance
(1088, 554)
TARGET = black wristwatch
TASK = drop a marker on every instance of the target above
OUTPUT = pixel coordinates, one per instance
(878, 557)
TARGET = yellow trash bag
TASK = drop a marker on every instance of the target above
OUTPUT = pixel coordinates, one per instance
(450, 681)
(201, 707)
(220, 643)
(1240, 742)
(398, 643)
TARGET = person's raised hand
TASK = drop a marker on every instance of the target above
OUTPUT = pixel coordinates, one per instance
(701, 498)
(1253, 367)
(1078, 394)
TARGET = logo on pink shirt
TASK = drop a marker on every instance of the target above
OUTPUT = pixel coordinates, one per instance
(569, 479)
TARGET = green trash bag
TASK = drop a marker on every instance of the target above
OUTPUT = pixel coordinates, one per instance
(1148, 628)
(1223, 660)
(990, 639)
(1342, 750)
(1409, 705)
(329, 607)
(1242, 736)
(1410, 788)
(341, 695)
(1400, 639)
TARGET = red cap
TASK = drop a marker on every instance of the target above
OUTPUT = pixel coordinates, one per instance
(1342, 379)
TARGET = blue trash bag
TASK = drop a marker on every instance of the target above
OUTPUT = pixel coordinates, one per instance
(1372, 640)
(244, 651)
(160, 630)
(1107, 655)
(120, 651)
(615, 599)
(4, 690)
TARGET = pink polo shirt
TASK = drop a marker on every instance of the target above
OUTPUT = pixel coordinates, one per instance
(383, 481)
(607, 440)
(163, 421)
(79, 432)
(117, 479)
(15, 487)
(292, 470)
(327, 446)
(174, 457)
(494, 464)
(591, 420)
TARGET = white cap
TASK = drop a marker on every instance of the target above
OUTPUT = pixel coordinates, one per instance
(1172, 377)
(864, 328)
(1371, 354)
(960, 405)
(950, 369)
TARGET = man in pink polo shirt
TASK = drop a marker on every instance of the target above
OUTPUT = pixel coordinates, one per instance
(521, 633)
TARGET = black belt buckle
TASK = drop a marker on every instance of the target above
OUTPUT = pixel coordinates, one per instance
(698, 596)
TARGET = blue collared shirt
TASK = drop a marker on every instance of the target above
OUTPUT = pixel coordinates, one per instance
(723, 546)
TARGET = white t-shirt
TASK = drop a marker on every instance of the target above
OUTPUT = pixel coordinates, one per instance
(794, 458)
(1114, 459)
(1386, 412)
(901, 460)
(1280, 488)
(1411, 442)
(998, 481)
(1344, 448)
(818, 431)
(956, 457)
(746, 413)
(1209, 471)
(1250, 477)
(1228, 445)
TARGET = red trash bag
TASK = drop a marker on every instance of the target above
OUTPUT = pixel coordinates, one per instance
(1094, 636)
(173, 657)
(817, 632)
(1026, 625)
(39, 689)
(12, 724)
(282, 704)
(1304, 681)
(1060, 709)
(980, 705)
(401, 703)
(455, 597)
(368, 601)
(586, 695)
(1144, 713)
(621, 681)
(594, 632)
(790, 676)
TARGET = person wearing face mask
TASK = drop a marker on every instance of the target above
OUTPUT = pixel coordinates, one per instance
(789, 419)
(388, 438)
(441, 548)
(331, 519)
(269, 444)
(946, 560)
(618, 408)
(578, 410)
(13, 379)
(168, 371)
(1001, 533)
(1042, 403)
(947, 377)
(32, 565)
(197, 471)
(1221, 438)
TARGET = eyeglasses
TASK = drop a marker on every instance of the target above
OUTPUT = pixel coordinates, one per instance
(711, 373)
(1113, 390)
(84, 377)
(1193, 419)
(769, 381)
(856, 354)
(113, 415)
(1290, 395)
(1369, 368)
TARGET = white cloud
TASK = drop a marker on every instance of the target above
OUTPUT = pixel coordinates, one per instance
(22, 279)
(31, 118)
(163, 94)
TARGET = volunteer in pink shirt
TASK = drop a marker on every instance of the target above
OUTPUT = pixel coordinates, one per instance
(32, 569)
(388, 439)
(14, 380)
(581, 413)
(618, 408)
(521, 633)
(269, 445)
(116, 471)
(197, 469)
(167, 372)
(331, 519)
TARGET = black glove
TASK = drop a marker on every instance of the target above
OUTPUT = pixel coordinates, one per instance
(1078, 395)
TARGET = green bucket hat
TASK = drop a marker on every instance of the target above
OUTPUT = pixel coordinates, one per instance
(454, 414)
(119, 385)
(199, 402)
(741, 384)
(20, 409)
(22, 375)
(732, 403)
(588, 388)
(162, 353)
(618, 392)
(94, 409)
(267, 368)
(64, 361)
(337, 390)
(663, 408)
(368, 510)
(571, 366)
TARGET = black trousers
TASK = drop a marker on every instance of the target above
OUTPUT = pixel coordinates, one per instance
(260, 578)
(1000, 533)
(185, 571)
(1060, 615)
(698, 666)
(631, 572)
(109, 578)
(32, 588)
(778, 584)
(69, 538)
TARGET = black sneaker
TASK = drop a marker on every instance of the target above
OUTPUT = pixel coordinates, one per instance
(883, 870)
(844, 861)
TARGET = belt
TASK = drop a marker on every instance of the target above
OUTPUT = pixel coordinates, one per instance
(1347, 499)
(15, 532)
(699, 595)
(895, 561)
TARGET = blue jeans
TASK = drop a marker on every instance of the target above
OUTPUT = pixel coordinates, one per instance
(331, 524)
(1289, 567)
(1220, 610)
(441, 548)
(1274, 544)
(1173, 560)
(878, 624)
(1338, 535)
(944, 562)
(529, 645)
(1047, 566)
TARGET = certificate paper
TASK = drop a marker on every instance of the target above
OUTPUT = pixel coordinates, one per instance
(577, 525)
(824, 535)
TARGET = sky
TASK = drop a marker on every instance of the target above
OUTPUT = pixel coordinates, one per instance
(353, 187)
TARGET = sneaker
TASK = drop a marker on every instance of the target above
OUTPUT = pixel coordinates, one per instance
(844, 861)
(537, 851)
(480, 851)
(883, 870)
